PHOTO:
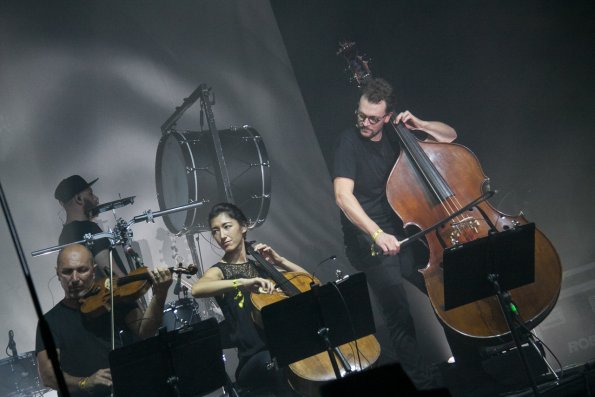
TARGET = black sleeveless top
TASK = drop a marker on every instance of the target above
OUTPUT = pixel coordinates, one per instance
(243, 333)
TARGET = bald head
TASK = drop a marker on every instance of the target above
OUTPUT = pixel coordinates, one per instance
(76, 270)
(74, 254)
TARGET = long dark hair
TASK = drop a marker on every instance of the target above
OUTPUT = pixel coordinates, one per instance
(231, 210)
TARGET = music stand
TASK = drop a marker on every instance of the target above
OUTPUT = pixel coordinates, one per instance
(492, 265)
(182, 363)
(319, 320)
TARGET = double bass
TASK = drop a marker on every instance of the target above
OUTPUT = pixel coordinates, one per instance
(430, 183)
(307, 375)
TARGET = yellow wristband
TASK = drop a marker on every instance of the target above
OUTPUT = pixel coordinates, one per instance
(239, 296)
(83, 383)
(376, 234)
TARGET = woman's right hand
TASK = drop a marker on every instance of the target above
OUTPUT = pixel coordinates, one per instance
(257, 285)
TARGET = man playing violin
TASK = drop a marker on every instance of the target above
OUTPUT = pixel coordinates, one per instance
(231, 281)
(83, 343)
(364, 158)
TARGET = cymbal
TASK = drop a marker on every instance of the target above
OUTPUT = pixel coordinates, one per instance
(112, 205)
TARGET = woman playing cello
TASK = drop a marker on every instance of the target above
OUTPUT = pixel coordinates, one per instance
(231, 281)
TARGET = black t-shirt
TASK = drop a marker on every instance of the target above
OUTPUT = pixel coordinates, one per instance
(368, 164)
(76, 230)
(84, 343)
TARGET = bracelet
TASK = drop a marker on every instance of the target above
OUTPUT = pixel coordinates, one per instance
(239, 296)
(376, 234)
(83, 384)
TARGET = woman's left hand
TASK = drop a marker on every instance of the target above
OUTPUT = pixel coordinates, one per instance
(269, 254)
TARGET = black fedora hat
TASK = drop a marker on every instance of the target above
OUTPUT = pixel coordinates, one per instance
(70, 186)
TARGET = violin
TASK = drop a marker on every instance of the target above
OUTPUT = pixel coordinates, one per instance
(307, 375)
(127, 288)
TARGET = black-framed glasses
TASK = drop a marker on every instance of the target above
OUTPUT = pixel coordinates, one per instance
(372, 119)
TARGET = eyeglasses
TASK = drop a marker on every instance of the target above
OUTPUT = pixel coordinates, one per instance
(372, 119)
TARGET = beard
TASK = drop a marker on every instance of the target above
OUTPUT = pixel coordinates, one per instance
(368, 132)
(88, 205)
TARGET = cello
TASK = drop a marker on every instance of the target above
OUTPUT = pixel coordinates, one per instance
(307, 375)
(434, 187)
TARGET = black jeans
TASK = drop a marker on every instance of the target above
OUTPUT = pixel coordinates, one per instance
(386, 283)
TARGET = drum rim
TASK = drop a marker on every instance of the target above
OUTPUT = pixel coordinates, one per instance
(191, 182)
(265, 175)
(182, 138)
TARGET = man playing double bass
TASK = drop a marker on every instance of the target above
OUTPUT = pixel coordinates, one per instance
(364, 158)
(83, 343)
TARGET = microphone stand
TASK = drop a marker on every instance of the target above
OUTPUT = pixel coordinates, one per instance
(44, 328)
(88, 238)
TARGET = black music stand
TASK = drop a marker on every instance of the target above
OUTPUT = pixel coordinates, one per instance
(319, 320)
(182, 363)
(488, 266)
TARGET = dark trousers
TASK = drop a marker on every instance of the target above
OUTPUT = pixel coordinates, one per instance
(257, 378)
(385, 279)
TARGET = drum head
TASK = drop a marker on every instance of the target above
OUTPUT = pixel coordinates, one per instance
(185, 172)
(181, 313)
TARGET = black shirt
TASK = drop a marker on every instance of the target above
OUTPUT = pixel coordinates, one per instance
(368, 164)
(76, 230)
(84, 343)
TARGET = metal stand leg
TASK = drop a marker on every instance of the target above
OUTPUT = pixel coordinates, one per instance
(508, 309)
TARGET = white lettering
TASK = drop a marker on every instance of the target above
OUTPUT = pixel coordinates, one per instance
(581, 344)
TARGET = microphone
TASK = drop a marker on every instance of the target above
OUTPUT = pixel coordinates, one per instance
(12, 344)
(129, 250)
(330, 258)
(178, 286)
(112, 205)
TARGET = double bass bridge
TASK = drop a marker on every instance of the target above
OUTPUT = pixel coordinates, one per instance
(463, 228)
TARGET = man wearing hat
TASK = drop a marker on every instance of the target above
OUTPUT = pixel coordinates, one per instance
(76, 196)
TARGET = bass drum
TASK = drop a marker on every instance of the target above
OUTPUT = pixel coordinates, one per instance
(185, 173)
(180, 314)
(19, 376)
